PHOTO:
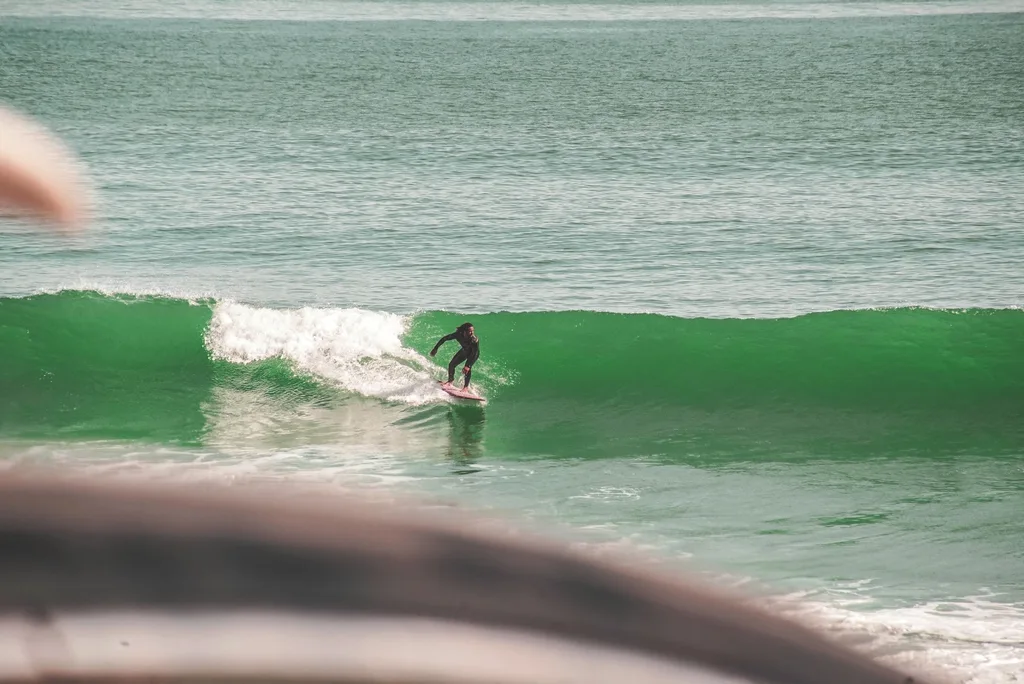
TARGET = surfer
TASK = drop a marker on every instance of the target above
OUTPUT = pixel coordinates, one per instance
(469, 353)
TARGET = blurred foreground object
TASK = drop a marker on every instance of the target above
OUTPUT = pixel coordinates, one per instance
(39, 176)
(129, 582)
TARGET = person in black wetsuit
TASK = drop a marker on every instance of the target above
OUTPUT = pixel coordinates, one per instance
(469, 353)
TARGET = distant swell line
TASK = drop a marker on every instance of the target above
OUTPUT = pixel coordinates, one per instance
(476, 11)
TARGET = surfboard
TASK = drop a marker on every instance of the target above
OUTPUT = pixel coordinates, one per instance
(460, 393)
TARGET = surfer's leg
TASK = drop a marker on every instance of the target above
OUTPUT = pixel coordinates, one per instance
(459, 357)
(469, 374)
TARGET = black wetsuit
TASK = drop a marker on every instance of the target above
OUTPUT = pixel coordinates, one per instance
(469, 353)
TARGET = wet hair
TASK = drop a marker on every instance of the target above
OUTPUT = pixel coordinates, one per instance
(464, 327)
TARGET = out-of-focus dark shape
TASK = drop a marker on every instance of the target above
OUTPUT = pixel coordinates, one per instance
(262, 583)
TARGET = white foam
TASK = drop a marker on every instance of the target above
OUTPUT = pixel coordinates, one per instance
(357, 350)
(325, 468)
(969, 640)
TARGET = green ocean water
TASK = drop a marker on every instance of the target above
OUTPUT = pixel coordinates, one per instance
(747, 278)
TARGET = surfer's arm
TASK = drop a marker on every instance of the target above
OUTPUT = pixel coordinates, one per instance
(440, 342)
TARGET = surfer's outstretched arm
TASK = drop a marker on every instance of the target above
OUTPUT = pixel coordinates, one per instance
(433, 352)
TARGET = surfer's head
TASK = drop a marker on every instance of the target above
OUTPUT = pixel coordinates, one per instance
(466, 330)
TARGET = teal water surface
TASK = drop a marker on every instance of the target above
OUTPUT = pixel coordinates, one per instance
(747, 278)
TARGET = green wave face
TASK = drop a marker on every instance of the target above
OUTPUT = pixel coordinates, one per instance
(886, 359)
(598, 383)
(83, 365)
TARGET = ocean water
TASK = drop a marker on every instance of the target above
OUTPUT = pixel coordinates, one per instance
(747, 278)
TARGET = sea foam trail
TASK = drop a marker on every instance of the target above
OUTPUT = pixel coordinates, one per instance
(360, 351)
(971, 640)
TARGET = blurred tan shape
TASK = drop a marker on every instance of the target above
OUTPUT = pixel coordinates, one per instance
(39, 176)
